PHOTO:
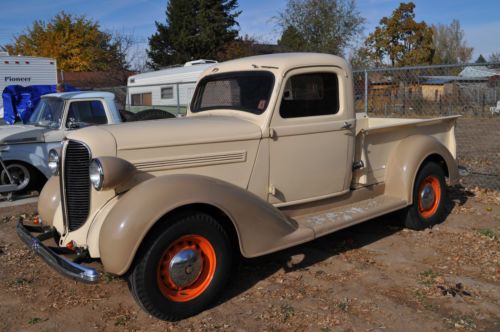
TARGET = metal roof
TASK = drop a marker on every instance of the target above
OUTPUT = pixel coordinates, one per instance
(170, 74)
(478, 71)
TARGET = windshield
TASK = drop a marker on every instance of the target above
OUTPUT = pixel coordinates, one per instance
(47, 113)
(242, 91)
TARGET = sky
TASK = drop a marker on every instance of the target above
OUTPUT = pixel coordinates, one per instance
(480, 20)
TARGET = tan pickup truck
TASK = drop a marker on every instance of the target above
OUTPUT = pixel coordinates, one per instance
(270, 155)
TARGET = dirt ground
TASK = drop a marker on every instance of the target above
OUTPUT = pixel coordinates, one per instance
(375, 276)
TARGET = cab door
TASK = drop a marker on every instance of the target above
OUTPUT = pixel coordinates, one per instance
(312, 137)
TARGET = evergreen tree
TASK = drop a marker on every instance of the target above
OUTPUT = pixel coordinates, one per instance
(194, 29)
(291, 40)
(481, 59)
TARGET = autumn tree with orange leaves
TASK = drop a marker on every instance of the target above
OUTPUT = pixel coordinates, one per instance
(401, 39)
(77, 43)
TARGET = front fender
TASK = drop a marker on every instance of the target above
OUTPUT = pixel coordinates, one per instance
(34, 154)
(258, 224)
(406, 160)
(49, 200)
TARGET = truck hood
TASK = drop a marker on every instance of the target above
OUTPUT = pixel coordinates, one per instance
(182, 131)
(21, 134)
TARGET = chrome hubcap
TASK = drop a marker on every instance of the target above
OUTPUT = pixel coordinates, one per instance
(427, 197)
(185, 267)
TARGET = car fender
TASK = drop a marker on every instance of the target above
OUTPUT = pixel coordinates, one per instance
(258, 224)
(406, 160)
(33, 154)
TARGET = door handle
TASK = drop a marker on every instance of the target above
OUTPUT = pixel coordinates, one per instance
(346, 125)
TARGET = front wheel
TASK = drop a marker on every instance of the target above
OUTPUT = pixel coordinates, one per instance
(182, 270)
(20, 175)
(429, 198)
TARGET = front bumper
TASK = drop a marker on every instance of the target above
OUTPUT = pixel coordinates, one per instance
(50, 256)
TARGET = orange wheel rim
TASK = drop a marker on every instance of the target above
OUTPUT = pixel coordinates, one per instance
(429, 196)
(186, 268)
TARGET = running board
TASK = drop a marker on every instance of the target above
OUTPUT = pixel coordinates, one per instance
(334, 219)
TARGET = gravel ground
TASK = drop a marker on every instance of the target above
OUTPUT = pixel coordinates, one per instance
(376, 276)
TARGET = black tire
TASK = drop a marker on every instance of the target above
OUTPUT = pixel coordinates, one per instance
(145, 278)
(152, 114)
(24, 175)
(421, 215)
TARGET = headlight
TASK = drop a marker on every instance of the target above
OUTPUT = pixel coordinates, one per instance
(96, 174)
(53, 163)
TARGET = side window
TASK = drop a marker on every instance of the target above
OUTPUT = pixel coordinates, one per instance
(86, 112)
(167, 93)
(310, 95)
(142, 99)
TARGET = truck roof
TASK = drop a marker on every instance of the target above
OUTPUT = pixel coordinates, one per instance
(80, 94)
(282, 62)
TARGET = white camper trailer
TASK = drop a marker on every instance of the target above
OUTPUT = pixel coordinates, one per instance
(25, 70)
(169, 89)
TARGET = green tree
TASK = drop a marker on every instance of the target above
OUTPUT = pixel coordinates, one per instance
(76, 42)
(400, 39)
(291, 39)
(449, 44)
(194, 29)
(327, 26)
(480, 59)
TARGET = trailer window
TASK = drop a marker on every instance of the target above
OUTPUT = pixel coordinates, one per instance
(242, 91)
(167, 93)
(142, 99)
(310, 95)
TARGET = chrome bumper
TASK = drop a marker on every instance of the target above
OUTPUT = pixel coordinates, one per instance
(62, 265)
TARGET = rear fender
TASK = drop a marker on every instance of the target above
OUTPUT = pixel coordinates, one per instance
(259, 226)
(406, 160)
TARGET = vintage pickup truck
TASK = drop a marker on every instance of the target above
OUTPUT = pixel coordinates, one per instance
(270, 155)
(25, 147)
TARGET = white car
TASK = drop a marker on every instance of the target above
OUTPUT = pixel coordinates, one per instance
(25, 148)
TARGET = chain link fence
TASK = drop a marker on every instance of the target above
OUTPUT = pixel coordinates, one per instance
(471, 90)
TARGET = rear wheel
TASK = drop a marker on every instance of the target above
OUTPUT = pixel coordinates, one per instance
(183, 269)
(429, 198)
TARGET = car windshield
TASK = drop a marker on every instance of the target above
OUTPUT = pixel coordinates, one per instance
(242, 91)
(47, 113)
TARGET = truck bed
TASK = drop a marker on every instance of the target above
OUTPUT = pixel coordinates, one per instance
(376, 138)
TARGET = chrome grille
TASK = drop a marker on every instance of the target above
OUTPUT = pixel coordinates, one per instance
(76, 184)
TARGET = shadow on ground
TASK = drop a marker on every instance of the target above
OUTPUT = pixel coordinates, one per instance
(250, 271)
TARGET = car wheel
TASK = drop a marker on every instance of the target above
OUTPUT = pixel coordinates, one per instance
(182, 270)
(429, 198)
(20, 175)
